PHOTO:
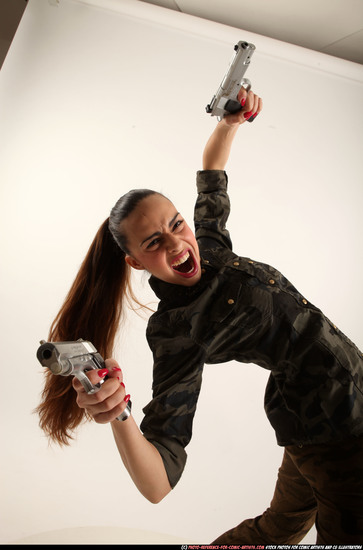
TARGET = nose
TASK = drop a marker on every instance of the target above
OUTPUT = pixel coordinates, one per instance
(173, 244)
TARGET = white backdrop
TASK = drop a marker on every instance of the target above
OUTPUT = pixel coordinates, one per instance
(94, 102)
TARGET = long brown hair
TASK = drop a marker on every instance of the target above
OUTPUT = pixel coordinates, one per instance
(92, 310)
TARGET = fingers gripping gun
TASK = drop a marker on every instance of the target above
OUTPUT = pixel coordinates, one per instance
(75, 358)
(225, 101)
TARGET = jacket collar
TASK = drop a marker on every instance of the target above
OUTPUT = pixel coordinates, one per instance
(177, 295)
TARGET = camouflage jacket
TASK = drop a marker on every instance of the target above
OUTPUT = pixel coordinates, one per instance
(246, 311)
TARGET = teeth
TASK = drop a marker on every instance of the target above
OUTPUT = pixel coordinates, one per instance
(181, 260)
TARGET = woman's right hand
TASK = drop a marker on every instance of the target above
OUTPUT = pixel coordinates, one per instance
(141, 459)
(111, 400)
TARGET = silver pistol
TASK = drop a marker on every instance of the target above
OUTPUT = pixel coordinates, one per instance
(75, 358)
(225, 101)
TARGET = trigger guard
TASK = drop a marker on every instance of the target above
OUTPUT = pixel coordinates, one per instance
(246, 84)
(87, 384)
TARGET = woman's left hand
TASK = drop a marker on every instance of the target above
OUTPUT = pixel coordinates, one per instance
(251, 107)
(218, 147)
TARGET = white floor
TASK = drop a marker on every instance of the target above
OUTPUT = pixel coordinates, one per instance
(99, 535)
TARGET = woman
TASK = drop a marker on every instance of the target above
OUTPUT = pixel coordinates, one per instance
(215, 307)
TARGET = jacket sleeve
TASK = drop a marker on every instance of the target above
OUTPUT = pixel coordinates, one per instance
(177, 378)
(212, 209)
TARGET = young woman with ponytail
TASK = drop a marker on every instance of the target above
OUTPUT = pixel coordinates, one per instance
(215, 307)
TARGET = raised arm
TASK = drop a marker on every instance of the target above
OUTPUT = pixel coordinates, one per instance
(218, 147)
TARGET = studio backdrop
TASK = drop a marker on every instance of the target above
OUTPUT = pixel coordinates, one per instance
(97, 98)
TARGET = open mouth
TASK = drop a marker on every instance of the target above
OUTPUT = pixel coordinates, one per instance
(185, 264)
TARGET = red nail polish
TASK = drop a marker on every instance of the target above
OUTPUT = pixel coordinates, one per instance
(243, 101)
(116, 369)
(247, 115)
(102, 372)
(127, 398)
(122, 384)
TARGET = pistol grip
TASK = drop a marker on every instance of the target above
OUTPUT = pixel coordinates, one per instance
(126, 413)
(232, 106)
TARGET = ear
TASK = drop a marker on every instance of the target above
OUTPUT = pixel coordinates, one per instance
(133, 263)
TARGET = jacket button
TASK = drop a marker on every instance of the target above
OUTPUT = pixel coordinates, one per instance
(230, 301)
(272, 282)
(304, 301)
(235, 263)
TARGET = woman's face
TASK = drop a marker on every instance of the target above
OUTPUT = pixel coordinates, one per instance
(160, 241)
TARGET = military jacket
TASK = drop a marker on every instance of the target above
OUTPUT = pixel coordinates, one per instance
(246, 311)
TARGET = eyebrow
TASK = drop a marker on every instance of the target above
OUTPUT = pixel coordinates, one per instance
(157, 233)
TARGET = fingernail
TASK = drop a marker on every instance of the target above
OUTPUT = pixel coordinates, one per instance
(127, 398)
(116, 368)
(252, 118)
(122, 384)
(247, 115)
(102, 372)
(243, 101)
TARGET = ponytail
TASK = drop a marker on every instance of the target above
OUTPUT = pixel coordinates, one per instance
(92, 311)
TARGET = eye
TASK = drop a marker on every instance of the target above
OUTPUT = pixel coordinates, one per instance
(153, 244)
(178, 225)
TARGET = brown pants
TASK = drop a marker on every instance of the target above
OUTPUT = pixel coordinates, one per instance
(316, 483)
